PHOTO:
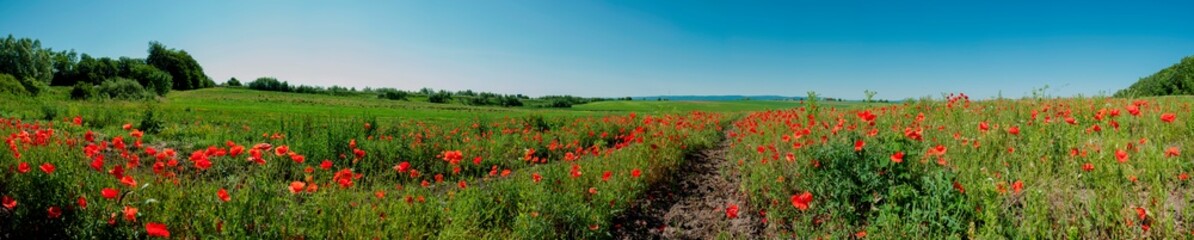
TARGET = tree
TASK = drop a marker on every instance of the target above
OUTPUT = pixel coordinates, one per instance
(232, 82)
(24, 59)
(186, 73)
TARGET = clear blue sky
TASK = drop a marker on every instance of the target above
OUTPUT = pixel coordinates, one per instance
(635, 48)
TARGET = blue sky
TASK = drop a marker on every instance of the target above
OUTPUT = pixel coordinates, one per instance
(635, 48)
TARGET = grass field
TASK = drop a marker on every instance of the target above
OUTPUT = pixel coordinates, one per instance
(223, 162)
(236, 163)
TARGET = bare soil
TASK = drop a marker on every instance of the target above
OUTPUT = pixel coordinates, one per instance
(691, 203)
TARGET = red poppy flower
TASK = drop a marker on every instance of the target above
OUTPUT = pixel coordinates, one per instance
(48, 168)
(983, 126)
(1168, 117)
(326, 164)
(1172, 152)
(23, 167)
(344, 177)
(281, 150)
(109, 193)
(1088, 167)
(298, 158)
(800, 201)
(732, 211)
(358, 153)
(8, 202)
(898, 157)
(505, 172)
(606, 175)
(130, 214)
(379, 194)
(223, 195)
(462, 184)
(535, 177)
(1014, 130)
(297, 187)
(157, 230)
(54, 212)
(635, 173)
(128, 181)
(959, 187)
(858, 145)
(1141, 213)
(402, 167)
(575, 173)
(1121, 155)
(1017, 186)
(236, 150)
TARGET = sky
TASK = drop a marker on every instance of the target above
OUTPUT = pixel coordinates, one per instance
(900, 49)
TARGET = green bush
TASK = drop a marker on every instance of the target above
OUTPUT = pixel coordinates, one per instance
(34, 86)
(232, 83)
(393, 95)
(82, 91)
(440, 97)
(123, 88)
(11, 86)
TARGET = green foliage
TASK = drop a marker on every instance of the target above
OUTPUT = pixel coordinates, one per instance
(83, 91)
(10, 85)
(392, 94)
(440, 97)
(150, 123)
(270, 84)
(25, 59)
(232, 83)
(123, 88)
(1174, 80)
(34, 87)
(186, 73)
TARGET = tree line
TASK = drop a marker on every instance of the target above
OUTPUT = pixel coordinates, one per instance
(466, 97)
(26, 68)
(1174, 80)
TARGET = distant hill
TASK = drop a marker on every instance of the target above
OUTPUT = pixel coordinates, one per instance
(719, 97)
(1174, 80)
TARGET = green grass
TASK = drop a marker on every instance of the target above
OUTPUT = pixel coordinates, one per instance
(687, 106)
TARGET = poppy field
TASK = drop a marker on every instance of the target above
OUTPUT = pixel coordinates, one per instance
(327, 167)
(532, 176)
(1076, 168)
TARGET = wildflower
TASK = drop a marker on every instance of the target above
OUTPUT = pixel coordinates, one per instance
(800, 201)
(297, 187)
(223, 195)
(326, 164)
(1168, 117)
(157, 230)
(8, 202)
(48, 168)
(898, 157)
(130, 214)
(732, 211)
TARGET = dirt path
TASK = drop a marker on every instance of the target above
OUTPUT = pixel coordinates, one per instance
(691, 203)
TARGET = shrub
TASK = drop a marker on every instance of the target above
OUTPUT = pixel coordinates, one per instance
(393, 95)
(269, 84)
(34, 86)
(10, 85)
(232, 83)
(153, 79)
(82, 91)
(123, 88)
(440, 97)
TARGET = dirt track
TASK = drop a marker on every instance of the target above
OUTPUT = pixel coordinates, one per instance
(691, 203)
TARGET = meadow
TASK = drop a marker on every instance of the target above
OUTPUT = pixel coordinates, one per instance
(239, 163)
